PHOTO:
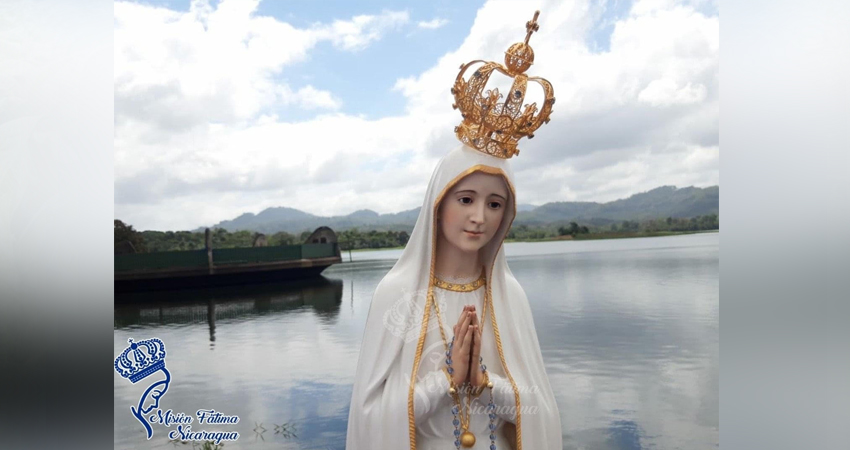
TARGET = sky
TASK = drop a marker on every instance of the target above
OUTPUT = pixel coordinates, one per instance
(231, 107)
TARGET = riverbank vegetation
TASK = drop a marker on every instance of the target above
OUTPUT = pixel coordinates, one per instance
(355, 239)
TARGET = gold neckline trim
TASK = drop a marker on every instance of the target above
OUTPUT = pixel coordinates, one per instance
(458, 287)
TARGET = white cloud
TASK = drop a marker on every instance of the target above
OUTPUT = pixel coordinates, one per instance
(176, 70)
(665, 92)
(360, 31)
(197, 142)
(653, 95)
(311, 98)
(432, 24)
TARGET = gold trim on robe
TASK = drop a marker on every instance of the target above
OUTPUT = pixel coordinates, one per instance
(488, 300)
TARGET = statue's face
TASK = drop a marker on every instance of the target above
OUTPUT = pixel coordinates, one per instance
(470, 214)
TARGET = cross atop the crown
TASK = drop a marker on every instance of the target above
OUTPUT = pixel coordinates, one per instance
(531, 26)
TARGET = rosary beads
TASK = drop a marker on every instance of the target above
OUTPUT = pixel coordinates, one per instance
(461, 418)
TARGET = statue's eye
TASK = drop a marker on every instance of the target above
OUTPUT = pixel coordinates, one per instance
(495, 205)
(465, 200)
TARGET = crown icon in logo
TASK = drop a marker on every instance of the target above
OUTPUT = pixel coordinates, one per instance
(141, 359)
(491, 126)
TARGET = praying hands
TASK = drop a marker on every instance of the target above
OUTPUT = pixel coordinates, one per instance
(466, 351)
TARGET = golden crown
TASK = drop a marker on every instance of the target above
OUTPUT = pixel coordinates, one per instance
(495, 127)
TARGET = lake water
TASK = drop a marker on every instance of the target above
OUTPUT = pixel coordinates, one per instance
(628, 329)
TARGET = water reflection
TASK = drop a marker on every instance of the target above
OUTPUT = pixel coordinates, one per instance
(628, 330)
(261, 333)
(323, 296)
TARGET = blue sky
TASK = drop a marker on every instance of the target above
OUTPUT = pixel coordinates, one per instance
(364, 80)
(224, 108)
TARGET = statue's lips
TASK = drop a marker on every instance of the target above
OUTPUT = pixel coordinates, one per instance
(472, 234)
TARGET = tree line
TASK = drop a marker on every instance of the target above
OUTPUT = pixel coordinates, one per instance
(164, 241)
(527, 232)
(354, 239)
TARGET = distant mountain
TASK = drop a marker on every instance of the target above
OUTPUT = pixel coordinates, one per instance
(271, 219)
(295, 221)
(664, 201)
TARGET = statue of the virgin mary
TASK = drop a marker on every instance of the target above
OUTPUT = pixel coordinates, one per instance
(450, 355)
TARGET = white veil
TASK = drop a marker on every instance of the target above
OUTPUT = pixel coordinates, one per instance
(382, 412)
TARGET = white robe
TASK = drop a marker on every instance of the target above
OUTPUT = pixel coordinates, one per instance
(386, 413)
(433, 405)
